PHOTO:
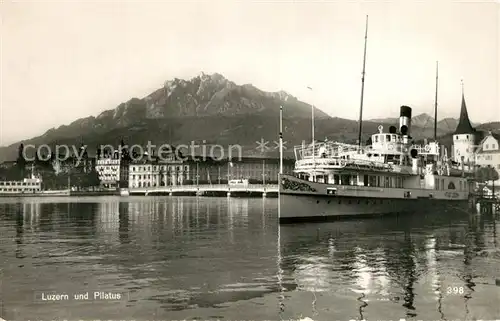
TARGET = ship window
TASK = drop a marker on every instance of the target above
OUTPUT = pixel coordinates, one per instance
(372, 181)
(387, 138)
(382, 138)
(393, 138)
(376, 138)
(451, 185)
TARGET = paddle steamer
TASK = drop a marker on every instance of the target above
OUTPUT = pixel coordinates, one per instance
(391, 175)
(28, 187)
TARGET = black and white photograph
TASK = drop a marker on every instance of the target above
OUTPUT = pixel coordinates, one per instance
(229, 160)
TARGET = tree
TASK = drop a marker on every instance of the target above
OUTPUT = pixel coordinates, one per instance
(480, 175)
(20, 162)
(92, 178)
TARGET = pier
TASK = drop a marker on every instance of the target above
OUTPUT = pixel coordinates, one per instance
(207, 190)
(487, 203)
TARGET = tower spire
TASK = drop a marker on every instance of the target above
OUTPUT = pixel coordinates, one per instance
(464, 126)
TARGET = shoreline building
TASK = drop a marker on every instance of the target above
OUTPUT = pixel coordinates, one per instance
(465, 139)
(112, 166)
(488, 154)
(472, 148)
(152, 171)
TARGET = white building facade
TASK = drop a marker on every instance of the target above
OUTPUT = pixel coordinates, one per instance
(108, 170)
(156, 174)
(488, 154)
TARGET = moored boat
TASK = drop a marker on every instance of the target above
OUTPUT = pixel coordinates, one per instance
(28, 187)
(390, 175)
(333, 180)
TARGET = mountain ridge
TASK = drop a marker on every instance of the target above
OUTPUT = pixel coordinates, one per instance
(212, 108)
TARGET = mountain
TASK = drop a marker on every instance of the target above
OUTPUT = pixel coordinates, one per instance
(210, 109)
(425, 120)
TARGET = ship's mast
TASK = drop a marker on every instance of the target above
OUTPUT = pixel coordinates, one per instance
(436, 103)
(362, 88)
(281, 140)
(313, 140)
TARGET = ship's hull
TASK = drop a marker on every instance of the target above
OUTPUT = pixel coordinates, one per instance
(311, 202)
(307, 208)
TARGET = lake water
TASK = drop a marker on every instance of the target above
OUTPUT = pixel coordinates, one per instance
(175, 258)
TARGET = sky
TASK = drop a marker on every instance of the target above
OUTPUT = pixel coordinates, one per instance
(63, 60)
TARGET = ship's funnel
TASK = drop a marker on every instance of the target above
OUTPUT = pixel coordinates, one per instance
(405, 120)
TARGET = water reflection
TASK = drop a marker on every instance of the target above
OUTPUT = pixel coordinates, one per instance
(390, 261)
(210, 257)
(123, 226)
(19, 231)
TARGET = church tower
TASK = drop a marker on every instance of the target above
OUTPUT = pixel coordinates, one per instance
(464, 137)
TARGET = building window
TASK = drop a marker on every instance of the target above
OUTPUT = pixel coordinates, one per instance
(451, 185)
(467, 136)
(487, 146)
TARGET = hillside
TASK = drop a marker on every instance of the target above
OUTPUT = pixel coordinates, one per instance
(424, 120)
(213, 109)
